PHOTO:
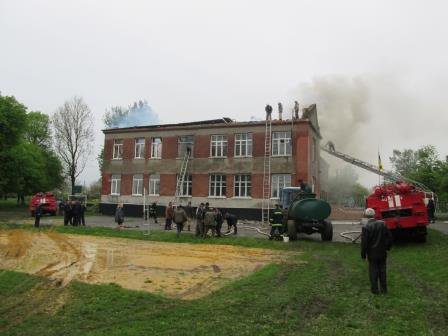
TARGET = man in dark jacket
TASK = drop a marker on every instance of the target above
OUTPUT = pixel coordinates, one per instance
(219, 221)
(200, 220)
(82, 216)
(180, 217)
(76, 211)
(37, 215)
(232, 220)
(153, 212)
(431, 208)
(376, 241)
(68, 213)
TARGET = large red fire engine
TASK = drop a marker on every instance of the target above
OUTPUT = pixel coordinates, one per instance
(402, 207)
(47, 202)
(401, 204)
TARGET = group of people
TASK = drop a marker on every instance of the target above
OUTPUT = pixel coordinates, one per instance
(207, 219)
(73, 212)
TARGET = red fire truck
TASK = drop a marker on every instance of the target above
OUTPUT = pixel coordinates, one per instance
(47, 201)
(401, 203)
(402, 207)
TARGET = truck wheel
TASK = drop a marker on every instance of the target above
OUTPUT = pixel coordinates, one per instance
(327, 233)
(292, 230)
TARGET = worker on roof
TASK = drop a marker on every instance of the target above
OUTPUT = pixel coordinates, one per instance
(376, 240)
(268, 110)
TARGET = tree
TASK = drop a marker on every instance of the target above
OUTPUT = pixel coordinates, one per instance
(423, 165)
(73, 127)
(343, 188)
(38, 129)
(12, 124)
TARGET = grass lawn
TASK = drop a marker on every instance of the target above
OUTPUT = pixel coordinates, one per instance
(327, 295)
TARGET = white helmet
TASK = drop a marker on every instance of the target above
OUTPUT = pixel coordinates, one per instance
(369, 213)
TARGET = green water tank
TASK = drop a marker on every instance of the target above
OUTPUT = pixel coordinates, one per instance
(309, 209)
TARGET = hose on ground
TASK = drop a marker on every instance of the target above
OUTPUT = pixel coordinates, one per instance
(347, 235)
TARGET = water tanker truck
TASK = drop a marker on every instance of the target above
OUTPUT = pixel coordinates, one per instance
(304, 213)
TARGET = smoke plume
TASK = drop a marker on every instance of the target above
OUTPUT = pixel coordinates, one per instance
(342, 108)
(137, 114)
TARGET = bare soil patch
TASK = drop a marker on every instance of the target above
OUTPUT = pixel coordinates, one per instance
(186, 271)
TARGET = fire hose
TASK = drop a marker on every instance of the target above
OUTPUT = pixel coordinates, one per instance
(348, 235)
(250, 228)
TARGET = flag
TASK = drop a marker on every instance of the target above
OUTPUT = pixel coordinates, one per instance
(380, 164)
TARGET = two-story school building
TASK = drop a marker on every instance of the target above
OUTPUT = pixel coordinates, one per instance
(225, 167)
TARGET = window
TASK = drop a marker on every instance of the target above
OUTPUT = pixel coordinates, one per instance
(156, 148)
(154, 185)
(218, 146)
(185, 143)
(187, 186)
(281, 143)
(118, 149)
(217, 186)
(243, 144)
(242, 186)
(279, 181)
(137, 185)
(115, 185)
(139, 148)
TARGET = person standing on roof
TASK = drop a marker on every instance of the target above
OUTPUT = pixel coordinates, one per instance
(376, 240)
(268, 110)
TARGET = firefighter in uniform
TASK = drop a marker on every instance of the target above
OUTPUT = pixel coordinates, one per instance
(276, 223)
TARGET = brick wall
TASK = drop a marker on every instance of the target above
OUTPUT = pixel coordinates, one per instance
(257, 185)
(128, 149)
(147, 148)
(229, 190)
(258, 144)
(200, 185)
(105, 184)
(230, 145)
(167, 184)
(145, 182)
(108, 149)
(126, 184)
(201, 146)
(169, 147)
(302, 154)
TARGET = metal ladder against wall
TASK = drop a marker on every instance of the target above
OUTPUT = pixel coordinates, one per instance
(146, 206)
(181, 177)
(266, 202)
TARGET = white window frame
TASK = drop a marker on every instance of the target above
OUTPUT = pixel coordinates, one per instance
(117, 149)
(156, 148)
(137, 185)
(181, 153)
(281, 143)
(217, 185)
(242, 186)
(115, 185)
(187, 186)
(278, 182)
(243, 144)
(154, 185)
(139, 148)
(218, 146)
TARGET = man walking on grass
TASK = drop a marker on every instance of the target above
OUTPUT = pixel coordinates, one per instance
(180, 217)
(376, 240)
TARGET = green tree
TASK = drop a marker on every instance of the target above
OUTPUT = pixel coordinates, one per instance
(343, 188)
(38, 129)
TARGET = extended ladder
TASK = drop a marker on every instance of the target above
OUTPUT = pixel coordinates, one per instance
(181, 177)
(266, 202)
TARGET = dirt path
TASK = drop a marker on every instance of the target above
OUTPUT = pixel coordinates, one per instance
(186, 271)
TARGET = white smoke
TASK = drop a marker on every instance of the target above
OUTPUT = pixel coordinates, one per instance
(137, 114)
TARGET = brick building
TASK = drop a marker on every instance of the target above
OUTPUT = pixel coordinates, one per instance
(226, 165)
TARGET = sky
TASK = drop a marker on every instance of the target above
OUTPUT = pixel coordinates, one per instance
(377, 70)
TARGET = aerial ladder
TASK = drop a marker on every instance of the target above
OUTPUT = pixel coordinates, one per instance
(266, 202)
(387, 175)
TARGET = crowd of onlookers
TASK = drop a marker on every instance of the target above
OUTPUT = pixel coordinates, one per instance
(204, 218)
